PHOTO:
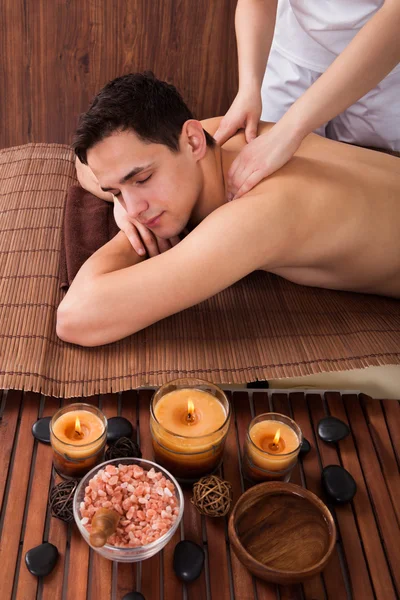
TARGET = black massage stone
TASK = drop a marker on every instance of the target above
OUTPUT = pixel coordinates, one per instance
(305, 447)
(118, 427)
(134, 596)
(41, 430)
(257, 385)
(331, 429)
(338, 484)
(41, 560)
(188, 560)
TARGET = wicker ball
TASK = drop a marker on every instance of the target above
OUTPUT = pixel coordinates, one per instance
(61, 499)
(123, 448)
(212, 496)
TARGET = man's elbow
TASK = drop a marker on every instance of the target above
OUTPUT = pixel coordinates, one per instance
(71, 327)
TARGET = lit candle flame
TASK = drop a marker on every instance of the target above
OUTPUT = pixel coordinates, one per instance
(190, 409)
(78, 426)
(277, 437)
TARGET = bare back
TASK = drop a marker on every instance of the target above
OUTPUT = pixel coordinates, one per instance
(346, 201)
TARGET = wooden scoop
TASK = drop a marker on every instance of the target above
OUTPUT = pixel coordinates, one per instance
(104, 524)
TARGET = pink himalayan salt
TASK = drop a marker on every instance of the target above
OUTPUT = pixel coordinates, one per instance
(146, 501)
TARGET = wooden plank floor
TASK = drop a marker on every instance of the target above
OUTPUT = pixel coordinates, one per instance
(365, 565)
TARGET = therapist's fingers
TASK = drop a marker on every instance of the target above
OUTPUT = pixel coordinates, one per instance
(235, 176)
(249, 160)
(252, 180)
(225, 131)
(251, 129)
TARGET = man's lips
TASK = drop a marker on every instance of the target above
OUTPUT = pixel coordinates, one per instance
(152, 222)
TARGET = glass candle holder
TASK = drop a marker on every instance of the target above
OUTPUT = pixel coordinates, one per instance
(188, 439)
(78, 434)
(271, 448)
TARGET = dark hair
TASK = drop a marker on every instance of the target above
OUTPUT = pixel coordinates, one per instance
(140, 102)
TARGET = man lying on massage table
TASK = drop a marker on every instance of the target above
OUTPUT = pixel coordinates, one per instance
(329, 218)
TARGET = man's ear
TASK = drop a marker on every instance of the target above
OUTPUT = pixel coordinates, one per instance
(193, 138)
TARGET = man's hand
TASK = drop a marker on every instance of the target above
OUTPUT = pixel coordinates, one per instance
(141, 238)
(260, 158)
(244, 114)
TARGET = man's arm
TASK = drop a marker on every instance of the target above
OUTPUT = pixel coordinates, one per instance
(88, 181)
(116, 294)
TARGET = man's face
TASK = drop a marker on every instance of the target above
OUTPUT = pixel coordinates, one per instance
(156, 186)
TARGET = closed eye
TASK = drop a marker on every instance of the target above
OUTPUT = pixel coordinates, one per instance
(142, 181)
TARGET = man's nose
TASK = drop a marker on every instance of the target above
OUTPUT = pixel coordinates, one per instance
(134, 205)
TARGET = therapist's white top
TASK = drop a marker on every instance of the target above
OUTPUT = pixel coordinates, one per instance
(312, 33)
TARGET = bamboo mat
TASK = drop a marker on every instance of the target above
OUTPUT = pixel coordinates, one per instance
(261, 328)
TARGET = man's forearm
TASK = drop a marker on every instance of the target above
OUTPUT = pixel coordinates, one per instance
(255, 25)
(114, 300)
(117, 254)
(77, 308)
(369, 57)
(89, 182)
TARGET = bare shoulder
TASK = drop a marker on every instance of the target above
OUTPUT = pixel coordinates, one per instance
(211, 125)
(237, 141)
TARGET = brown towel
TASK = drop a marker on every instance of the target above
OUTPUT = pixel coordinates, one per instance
(88, 224)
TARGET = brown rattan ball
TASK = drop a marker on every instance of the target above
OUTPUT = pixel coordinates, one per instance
(123, 448)
(212, 496)
(61, 499)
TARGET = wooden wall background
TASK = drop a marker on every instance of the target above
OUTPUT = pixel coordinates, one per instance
(55, 54)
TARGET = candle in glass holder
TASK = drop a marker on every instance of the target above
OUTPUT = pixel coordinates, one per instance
(189, 423)
(271, 449)
(78, 434)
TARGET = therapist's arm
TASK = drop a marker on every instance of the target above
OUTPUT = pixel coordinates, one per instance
(254, 25)
(369, 57)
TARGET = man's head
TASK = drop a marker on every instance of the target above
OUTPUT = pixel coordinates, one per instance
(142, 143)
(137, 102)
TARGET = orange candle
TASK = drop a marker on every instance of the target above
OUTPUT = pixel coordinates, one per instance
(78, 434)
(189, 427)
(272, 446)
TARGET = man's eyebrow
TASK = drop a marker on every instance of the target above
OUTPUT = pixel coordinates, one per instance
(126, 177)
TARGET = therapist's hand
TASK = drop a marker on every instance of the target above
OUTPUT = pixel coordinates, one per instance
(141, 238)
(259, 159)
(244, 113)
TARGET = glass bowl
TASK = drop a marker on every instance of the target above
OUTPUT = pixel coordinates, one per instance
(138, 553)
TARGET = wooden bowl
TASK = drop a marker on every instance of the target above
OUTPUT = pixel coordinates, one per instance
(282, 532)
